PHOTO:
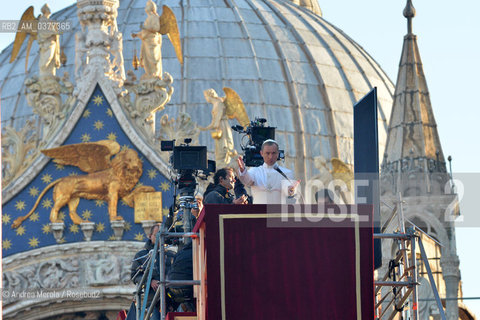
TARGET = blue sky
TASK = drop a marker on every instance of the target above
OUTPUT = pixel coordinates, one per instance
(448, 34)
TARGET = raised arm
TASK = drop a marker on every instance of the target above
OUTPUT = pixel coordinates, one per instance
(243, 173)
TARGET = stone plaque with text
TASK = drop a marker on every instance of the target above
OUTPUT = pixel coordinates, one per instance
(148, 206)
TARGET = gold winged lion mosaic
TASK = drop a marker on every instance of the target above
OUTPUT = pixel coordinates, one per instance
(107, 178)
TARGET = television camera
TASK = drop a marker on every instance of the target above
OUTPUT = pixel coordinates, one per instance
(188, 163)
(256, 133)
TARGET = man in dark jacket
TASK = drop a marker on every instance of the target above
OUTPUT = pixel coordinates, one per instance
(219, 191)
(181, 269)
(138, 269)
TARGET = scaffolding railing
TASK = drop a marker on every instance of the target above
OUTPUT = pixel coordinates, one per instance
(402, 270)
(142, 288)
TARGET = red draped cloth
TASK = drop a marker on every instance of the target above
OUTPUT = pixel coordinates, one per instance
(260, 267)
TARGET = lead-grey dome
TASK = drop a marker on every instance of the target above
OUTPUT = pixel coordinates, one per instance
(288, 65)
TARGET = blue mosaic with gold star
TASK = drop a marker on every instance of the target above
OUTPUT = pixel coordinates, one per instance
(97, 123)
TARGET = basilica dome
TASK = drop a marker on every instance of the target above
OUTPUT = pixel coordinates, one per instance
(288, 64)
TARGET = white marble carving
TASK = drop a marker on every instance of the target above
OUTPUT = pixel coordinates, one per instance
(118, 227)
(99, 268)
(87, 229)
(80, 52)
(151, 95)
(57, 230)
(18, 151)
(44, 96)
(117, 65)
(62, 273)
(49, 46)
(102, 43)
(178, 129)
(102, 270)
(53, 274)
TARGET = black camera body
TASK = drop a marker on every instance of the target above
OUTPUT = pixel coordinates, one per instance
(190, 158)
(187, 161)
(257, 133)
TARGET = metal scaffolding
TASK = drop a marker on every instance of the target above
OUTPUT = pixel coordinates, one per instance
(400, 278)
(143, 286)
(402, 271)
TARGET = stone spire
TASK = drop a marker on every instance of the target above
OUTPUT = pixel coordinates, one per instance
(414, 165)
(409, 13)
(413, 143)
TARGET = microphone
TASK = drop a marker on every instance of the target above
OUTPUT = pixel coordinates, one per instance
(276, 168)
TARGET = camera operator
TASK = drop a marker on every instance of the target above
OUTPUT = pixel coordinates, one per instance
(137, 270)
(218, 192)
(266, 180)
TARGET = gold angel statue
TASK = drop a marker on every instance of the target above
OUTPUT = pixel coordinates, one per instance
(151, 35)
(224, 108)
(107, 179)
(343, 172)
(47, 37)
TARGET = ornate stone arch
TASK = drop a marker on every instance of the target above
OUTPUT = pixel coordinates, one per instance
(61, 279)
(432, 222)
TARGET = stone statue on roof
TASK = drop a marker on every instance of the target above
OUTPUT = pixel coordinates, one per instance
(47, 37)
(151, 35)
(49, 46)
(223, 108)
